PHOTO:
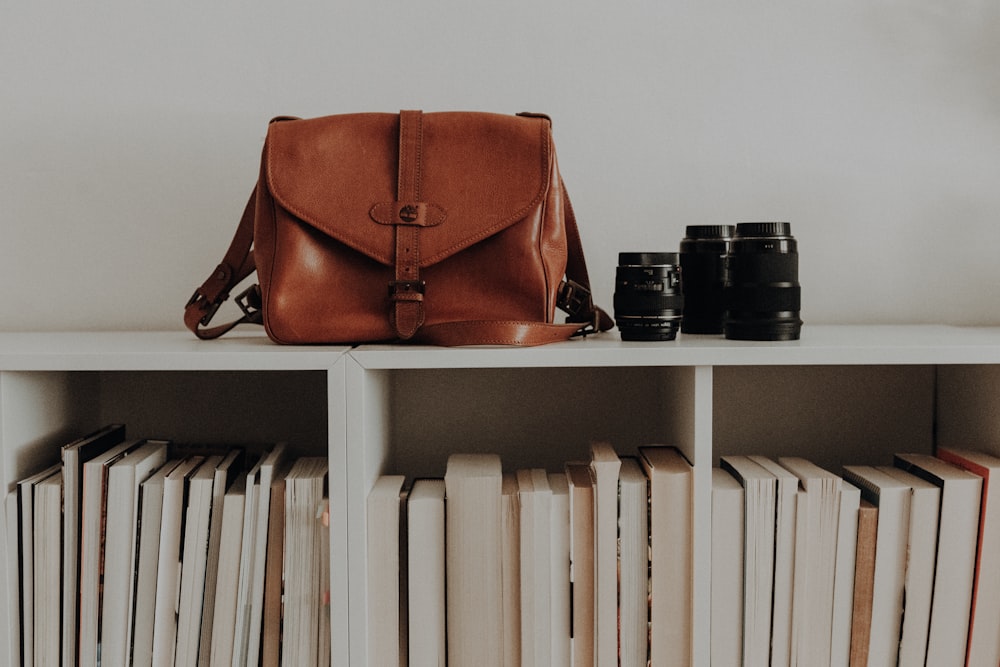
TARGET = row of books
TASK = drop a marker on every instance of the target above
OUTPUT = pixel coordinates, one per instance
(593, 565)
(874, 565)
(143, 552)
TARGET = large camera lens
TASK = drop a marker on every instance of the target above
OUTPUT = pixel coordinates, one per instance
(703, 264)
(648, 299)
(763, 295)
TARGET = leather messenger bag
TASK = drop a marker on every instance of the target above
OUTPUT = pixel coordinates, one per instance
(440, 228)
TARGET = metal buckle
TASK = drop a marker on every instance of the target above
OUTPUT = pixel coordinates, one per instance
(249, 301)
(576, 300)
(209, 308)
(397, 287)
(591, 326)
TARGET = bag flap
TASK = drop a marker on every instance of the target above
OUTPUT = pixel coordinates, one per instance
(479, 173)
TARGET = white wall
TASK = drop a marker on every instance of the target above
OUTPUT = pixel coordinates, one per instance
(130, 134)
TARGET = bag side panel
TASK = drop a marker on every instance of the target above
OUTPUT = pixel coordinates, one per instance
(553, 246)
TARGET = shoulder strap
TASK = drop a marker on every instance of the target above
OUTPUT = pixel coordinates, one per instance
(574, 298)
(235, 266)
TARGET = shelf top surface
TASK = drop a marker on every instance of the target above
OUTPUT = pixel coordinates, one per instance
(819, 345)
(160, 350)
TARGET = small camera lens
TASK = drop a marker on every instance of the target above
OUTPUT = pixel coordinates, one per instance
(763, 296)
(703, 263)
(648, 300)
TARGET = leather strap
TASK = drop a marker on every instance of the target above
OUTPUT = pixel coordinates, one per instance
(406, 294)
(495, 332)
(237, 264)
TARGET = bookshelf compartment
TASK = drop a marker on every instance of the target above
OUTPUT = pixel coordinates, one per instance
(968, 407)
(39, 412)
(42, 410)
(531, 417)
(254, 409)
(409, 420)
(834, 415)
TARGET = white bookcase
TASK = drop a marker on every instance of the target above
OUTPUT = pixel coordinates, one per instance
(243, 391)
(841, 395)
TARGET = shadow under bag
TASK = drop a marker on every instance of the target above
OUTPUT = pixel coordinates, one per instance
(448, 228)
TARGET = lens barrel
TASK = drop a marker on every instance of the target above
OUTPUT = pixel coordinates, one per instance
(703, 265)
(763, 296)
(648, 300)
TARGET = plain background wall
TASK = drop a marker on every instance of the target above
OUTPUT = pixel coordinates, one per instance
(130, 134)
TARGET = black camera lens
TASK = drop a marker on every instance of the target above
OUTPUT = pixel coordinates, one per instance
(703, 264)
(648, 299)
(763, 295)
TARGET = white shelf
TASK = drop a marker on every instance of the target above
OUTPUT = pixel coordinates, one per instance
(841, 394)
(174, 350)
(819, 345)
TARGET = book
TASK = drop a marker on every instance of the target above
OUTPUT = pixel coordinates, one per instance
(194, 559)
(250, 594)
(425, 536)
(74, 455)
(581, 558)
(812, 612)
(26, 508)
(727, 570)
(225, 475)
(384, 570)
(786, 502)
(921, 550)
(473, 568)
(271, 465)
(92, 522)
(535, 497)
(605, 464)
(984, 617)
(510, 569)
(892, 497)
(671, 538)
(954, 572)
(12, 524)
(633, 564)
(168, 568)
(47, 568)
(271, 633)
(760, 516)
(124, 479)
(149, 511)
(864, 583)
(560, 602)
(325, 638)
(843, 582)
(228, 577)
(300, 629)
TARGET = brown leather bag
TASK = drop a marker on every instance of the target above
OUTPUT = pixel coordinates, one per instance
(442, 228)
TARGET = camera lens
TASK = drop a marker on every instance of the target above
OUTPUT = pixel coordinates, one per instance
(703, 264)
(763, 295)
(648, 299)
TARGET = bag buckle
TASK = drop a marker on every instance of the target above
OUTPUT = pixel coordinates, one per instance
(576, 300)
(250, 302)
(401, 289)
(209, 308)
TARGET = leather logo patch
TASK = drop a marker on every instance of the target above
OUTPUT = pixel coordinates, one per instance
(420, 214)
(409, 213)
